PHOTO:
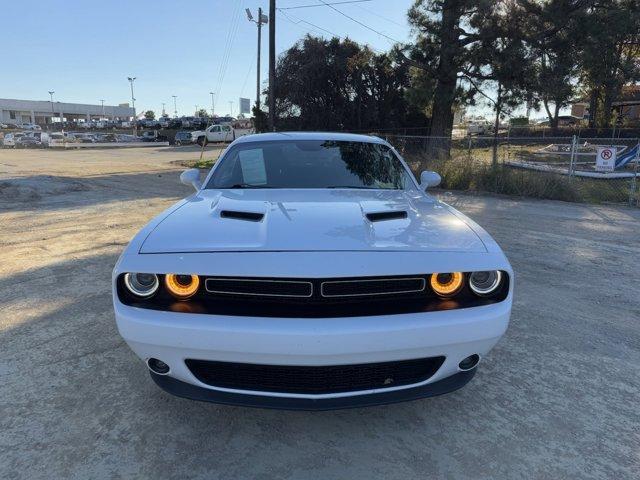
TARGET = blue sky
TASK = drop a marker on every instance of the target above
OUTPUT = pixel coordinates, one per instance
(84, 50)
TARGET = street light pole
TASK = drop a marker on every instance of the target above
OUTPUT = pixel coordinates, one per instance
(163, 109)
(51, 92)
(133, 105)
(213, 105)
(175, 108)
(102, 101)
(231, 107)
(262, 20)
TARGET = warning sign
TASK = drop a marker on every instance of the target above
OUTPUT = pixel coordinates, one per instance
(606, 159)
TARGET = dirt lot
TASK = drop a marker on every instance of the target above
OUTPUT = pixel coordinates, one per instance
(557, 398)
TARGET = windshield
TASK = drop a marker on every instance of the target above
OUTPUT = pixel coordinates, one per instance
(311, 164)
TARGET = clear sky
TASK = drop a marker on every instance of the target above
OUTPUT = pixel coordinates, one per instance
(85, 50)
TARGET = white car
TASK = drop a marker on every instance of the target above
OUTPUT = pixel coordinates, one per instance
(10, 139)
(30, 126)
(311, 271)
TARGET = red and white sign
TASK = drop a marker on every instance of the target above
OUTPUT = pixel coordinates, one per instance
(606, 159)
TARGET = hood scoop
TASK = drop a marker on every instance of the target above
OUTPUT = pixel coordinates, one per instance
(382, 216)
(238, 215)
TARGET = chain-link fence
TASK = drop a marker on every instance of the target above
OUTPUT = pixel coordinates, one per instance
(559, 168)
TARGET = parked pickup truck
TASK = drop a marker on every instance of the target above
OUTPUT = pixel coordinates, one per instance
(219, 133)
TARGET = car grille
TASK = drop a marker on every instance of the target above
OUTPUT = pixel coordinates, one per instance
(382, 286)
(259, 287)
(314, 379)
(319, 289)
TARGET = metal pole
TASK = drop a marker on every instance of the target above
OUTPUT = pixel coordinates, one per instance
(574, 142)
(213, 105)
(51, 101)
(258, 65)
(634, 181)
(272, 65)
(102, 101)
(175, 108)
(133, 105)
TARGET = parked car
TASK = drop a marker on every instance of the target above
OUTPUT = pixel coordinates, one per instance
(152, 136)
(164, 122)
(311, 271)
(183, 137)
(219, 133)
(60, 138)
(85, 137)
(30, 126)
(10, 139)
(106, 137)
(28, 141)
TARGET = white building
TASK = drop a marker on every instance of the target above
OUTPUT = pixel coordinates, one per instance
(43, 111)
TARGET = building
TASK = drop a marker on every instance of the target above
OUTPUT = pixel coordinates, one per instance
(627, 107)
(44, 112)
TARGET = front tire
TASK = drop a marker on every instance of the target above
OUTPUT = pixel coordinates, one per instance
(202, 141)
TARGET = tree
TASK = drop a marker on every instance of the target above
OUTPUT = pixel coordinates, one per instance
(202, 113)
(500, 63)
(340, 85)
(610, 54)
(554, 38)
(445, 30)
(149, 115)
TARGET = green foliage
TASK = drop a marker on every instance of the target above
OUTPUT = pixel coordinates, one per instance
(149, 115)
(202, 113)
(340, 85)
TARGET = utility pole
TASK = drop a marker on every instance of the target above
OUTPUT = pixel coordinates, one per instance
(51, 92)
(102, 101)
(231, 107)
(213, 105)
(262, 20)
(163, 109)
(175, 108)
(272, 64)
(133, 105)
(196, 114)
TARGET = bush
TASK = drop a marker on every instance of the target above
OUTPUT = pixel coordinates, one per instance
(468, 174)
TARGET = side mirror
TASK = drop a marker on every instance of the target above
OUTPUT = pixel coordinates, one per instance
(429, 179)
(191, 177)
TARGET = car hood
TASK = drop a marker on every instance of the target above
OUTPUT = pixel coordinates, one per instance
(311, 220)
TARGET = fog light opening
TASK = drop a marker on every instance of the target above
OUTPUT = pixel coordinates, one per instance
(469, 363)
(158, 366)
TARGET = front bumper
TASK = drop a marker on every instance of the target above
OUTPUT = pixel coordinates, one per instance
(193, 392)
(174, 337)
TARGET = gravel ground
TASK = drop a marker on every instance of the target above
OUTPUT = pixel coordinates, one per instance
(557, 398)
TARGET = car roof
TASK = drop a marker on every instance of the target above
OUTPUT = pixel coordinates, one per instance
(344, 137)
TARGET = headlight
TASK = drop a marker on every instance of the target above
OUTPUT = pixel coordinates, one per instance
(182, 286)
(485, 283)
(141, 284)
(447, 284)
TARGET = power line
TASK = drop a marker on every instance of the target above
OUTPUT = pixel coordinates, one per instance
(318, 28)
(359, 22)
(314, 5)
(313, 25)
(371, 12)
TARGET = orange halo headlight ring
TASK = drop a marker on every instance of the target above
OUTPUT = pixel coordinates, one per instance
(181, 286)
(447, 284)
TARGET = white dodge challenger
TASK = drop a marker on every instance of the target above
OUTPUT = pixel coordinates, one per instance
(311, 271)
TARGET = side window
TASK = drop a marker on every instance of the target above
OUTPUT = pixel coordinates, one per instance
(216, 128)
(226, 128)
